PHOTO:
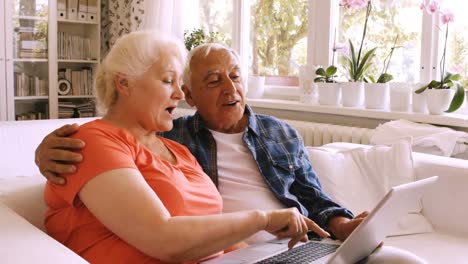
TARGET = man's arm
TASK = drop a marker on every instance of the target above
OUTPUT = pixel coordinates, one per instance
(55, 154)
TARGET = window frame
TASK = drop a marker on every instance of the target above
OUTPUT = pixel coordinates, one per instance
(320, 35)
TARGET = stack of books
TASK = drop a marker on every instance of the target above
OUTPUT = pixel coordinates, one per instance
(31, 43)
(74, 110)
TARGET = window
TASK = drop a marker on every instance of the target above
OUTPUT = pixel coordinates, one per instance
(278, 39)
(212, 16)
(457, 44)
(275, 37)
(389, 21)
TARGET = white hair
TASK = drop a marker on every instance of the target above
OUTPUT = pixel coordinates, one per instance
(203, 50)
(132, 56)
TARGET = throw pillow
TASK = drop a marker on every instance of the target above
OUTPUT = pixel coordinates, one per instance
(358, 178)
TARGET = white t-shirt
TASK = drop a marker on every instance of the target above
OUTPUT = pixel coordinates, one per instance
(240, 183)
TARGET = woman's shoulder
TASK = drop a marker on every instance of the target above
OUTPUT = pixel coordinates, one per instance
(101, 129)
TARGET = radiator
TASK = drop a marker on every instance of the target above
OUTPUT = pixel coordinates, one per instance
(318, 134)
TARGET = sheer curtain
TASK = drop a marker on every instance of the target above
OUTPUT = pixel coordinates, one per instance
(165, 16)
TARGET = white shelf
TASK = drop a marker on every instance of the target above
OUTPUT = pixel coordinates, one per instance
(29, 60)
(69, 21)
(78, 61)
(27, 98)
(75, 96)
(30, 17)
(449, 119)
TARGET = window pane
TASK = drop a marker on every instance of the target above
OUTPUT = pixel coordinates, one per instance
(457, 45)
(212, 16)
(278, 37)
(388, 19)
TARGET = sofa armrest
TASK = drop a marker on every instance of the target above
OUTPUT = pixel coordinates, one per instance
(445, 204)
(21, 242)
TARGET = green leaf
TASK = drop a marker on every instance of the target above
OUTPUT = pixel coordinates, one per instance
(321, 72)
(353, 64)
(331, 70)
(457, 100)
(456, 77)
(433, 84)
(319, 79)
(369, 79)
(364, 64)
(385, 78)
(422, 89)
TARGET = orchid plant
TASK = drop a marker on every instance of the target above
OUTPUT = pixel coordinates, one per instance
(328, 75)
(359, 63)
(384, 77)
(447, 80)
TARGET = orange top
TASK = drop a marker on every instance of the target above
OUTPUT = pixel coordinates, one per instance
(183, 188)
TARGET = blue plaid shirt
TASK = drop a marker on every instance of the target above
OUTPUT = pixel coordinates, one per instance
(281, 158)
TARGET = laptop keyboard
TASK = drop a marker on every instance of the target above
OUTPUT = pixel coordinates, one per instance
(305, 253)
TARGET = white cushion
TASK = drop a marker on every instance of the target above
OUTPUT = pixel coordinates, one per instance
(21, 242)
(358, 178)
(25, 195)
(433, 247)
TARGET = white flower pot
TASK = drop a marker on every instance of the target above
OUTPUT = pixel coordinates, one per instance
(419, 100)
(306, 85)
(256, 86)
(352, 94)
(400, 96)
(376, 95)
(438, 100)
(329, 93)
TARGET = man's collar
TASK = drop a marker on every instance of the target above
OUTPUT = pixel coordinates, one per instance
(198, 123)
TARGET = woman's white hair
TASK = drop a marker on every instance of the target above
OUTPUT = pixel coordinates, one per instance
(131, 56)
(203, 50)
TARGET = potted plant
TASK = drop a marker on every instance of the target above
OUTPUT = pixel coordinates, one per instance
(446, 94)
(198, 36)
(358, 62)
(329, 90)
(377, 91)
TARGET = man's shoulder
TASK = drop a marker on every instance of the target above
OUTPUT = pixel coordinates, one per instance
(270, 122)
(275, 128)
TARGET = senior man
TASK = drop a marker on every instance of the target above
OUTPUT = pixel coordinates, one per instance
(257, 161)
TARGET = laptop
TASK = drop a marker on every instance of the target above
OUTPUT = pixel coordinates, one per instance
(359, 245)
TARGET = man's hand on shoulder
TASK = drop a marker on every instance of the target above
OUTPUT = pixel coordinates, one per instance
(55, 155)
(342, 227)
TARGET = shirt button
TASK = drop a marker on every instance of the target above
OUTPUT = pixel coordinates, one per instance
(290, 166)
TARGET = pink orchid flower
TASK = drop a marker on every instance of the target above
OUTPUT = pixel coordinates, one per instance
(354, 3)
(457, 68)
(431, 7)
(447, 17)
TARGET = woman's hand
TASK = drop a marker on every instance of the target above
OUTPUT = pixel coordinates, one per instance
(291, 223)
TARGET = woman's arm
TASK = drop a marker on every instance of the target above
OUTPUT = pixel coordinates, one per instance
(123, 201)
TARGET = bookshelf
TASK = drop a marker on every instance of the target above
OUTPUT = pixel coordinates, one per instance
(45, 41)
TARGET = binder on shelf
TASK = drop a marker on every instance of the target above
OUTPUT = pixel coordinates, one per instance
(72, 9)
(62, 9)
(92, 10)
(83, 10)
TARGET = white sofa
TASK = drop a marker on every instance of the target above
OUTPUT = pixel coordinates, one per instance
(23, 240)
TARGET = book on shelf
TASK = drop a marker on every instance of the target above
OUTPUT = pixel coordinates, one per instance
(71, 109)
(71, 47)
(26, 85)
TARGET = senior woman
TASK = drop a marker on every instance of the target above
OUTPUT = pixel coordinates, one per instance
(140, 198)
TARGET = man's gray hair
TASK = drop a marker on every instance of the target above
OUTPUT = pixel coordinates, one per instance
(203, 50)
